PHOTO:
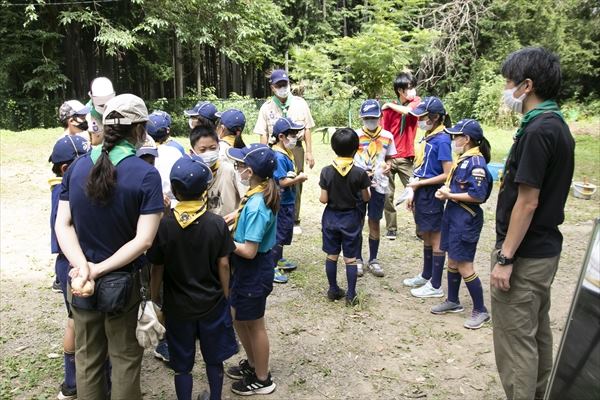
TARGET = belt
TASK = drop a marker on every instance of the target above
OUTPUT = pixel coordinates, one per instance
(466, 208)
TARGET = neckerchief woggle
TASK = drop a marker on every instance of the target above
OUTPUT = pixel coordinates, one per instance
(420, 151)
(119, 152)
(283, 106)
(287, 152)
(343, 165)
(467, 154)
(186, 212)
(255, 190)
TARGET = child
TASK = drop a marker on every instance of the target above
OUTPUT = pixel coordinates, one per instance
(72, 117)
(148, 152)
(284, 139)
(65, 151)
(191, 250)
(375, 149)
(343, 187)
(469, 184)
(230, 128)
(433, 161)
(203, 112)
(252, 280)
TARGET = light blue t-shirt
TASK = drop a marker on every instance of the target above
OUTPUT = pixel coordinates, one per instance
(284, 165)
(257, 223)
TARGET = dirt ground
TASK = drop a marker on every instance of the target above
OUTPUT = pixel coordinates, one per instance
(389, 347)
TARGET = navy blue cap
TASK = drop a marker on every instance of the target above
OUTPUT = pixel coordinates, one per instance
(278, 75)
(233, 119)
(370, 109)
(257, 156)
(283, 125)
(157, 123)
(192, 173)
(68, 148)
(428, 105)
(467, 127)
(204, 109)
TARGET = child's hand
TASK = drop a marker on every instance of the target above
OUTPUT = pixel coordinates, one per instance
(386, 168)
(442, 193)
(385, 106)
(167, 201)
(229, 218)
(410, 204)
(302, 177)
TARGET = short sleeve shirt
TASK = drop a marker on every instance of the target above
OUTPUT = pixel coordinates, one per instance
(257, 223)
(223, 193)
(385, 148)
(438, 149)
(343, 192)
(472, 177)
(167, 157)
(284, 165)
(54, 247)
(269, 113)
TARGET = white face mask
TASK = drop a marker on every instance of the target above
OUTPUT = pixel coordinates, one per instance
(371, 124)
(511, 102)
(210, 157)
(457, 149)
(282, 92)
(425, 125)
(411, 94)
(245, 182)
(291, 142)
(99, 102)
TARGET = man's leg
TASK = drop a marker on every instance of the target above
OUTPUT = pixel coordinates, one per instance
(298, 152)
(404, 169)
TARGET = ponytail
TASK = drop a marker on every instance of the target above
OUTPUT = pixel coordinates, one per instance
(271, 195)
(486, 149)
(238, 143)
(447, 121)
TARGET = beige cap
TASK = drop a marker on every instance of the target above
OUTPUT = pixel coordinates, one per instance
(131, 108)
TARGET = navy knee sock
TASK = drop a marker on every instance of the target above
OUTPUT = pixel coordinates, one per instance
(427, 262)
(437, 269)
(476, 291)
(183, 386)
(360, 243)
(276, 254)
(214, 373)
(331, 271)
(373, 248)
(351, 276)
(454, 279)
(69, 364)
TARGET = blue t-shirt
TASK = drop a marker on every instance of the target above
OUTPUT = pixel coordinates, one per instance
(104, 229)
(177, 145)
(284, 165)
(437, 150)
(257, 223)
(54, 247)
(472, 176)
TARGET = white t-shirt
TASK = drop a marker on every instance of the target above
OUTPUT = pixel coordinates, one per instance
(384, 148)
(167, 156)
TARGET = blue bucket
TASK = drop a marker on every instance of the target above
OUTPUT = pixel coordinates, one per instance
(496, 169)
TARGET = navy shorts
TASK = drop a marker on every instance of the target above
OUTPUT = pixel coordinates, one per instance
(373, 209)
(341, 231)
(460, 232)
(428, 210)
(215, 333)
(285, 224)
(251, 284)
(61, 268)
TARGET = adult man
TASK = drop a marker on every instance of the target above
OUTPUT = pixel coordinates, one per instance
(72, 117)
(396, 119)
(530, 207)
(101, 91)
(284, 104)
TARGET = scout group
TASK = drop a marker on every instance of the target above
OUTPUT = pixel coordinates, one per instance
(210, 225)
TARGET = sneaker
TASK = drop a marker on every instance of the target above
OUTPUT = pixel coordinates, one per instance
(447, 307)
(427, 291)
(251, 385)
(162, 351)
(286, 265)
(240, 371)
(391, 235)
(56, 287)
(205, 395)
(415, 282)
(360, 267)
(336, 294)
(279, 277)
(297, 230)
(375, 268)
(477, 319)
(66, 392)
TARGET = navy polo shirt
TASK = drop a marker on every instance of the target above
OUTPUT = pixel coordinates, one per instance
(437, 150)
(472, 176)
(54, 247)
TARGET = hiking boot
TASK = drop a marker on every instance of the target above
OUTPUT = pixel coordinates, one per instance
(251, 385)
(427, 291)
(286, 265)
(477, 319)
(391, 234)
(336, 294)
(375, 268)
(66, 392)
(240, 371)
(360, 267)
(447, 307)
(279, 277)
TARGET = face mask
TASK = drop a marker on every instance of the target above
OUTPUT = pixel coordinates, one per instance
(371, 124)
(245, 182)
(210, 157)
(291, 143)
(425, 125)
(82, 125)
(100, 102)
(282, 92)
(511, 102)
(457, 149)
(191, 123)
(411, 94)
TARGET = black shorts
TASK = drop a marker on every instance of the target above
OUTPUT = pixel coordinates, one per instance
(251, 284)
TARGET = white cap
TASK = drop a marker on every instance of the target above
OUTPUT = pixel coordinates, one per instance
(101, 86)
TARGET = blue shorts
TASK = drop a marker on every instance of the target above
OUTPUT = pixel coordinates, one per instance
(285, 224)
(251, 284)
(61, 268)
(216, 335)
(373, 209)
(460, 231)
(341, 231)
(428, 210)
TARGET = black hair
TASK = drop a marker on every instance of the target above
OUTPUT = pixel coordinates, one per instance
(205, 129)
(344, 142)
(57, 168)
(163, 134)
(537, 64)
(238, 142)
(288, 132)
(486, 149)
(404, 80)
(149, 158)
(205, 121)
(181, 193)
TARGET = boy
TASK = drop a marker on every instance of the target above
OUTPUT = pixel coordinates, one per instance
(65, 151)
(148, 152)
(285, 138)
(202, 113)
(343, 187)
(191, 250)
(72, 117)
(375, 150)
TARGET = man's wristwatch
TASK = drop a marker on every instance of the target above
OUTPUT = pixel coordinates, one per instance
(503, 260)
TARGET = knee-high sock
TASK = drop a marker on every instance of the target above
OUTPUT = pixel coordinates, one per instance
(359, 255)
(183, 386)
(437, 269)
(331, 271)
(373, 248)
(69, 364)
(351, 276)
(427, 262)
(454, 279)
(214, 374)
(476, 291)
(276, 254)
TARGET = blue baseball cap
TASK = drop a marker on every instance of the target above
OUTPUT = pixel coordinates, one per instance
(282, 125)
(467, 127)
(233, 119)
(192, 173)
(257, 156)
(157, 124)
(204, 109)
(428, 105)
(277, 76)
(370, 109)
(68, 148)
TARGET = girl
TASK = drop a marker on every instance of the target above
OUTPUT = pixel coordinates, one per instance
(468, 185)
(433, 161)
(230, 128)
(252, 281)
(108, 214)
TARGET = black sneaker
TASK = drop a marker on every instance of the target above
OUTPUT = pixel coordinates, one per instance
(66, 393)
(336, 294)
(240, 371)
(56, 287)
(251, 385)
(391, 234)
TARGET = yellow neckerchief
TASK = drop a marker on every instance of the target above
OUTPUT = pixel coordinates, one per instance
(372, 148)
(343, 165)
(420, 151)
(229, 139)
(251, 192)
(214, 169)
(57, 180)
(186, 212)
(280, 148)
(467, 154)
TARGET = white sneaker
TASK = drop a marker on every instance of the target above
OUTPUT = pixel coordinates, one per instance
(415, 282)
(427, 291)
(297, 230)
(360, 268)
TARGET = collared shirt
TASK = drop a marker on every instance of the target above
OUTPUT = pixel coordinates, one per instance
(269, 113)
(472, 176)
(437, 149)
(257, 223)
(284, 165)
(224, 193)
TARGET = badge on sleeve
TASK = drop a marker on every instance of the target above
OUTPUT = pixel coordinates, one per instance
(478, 174)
